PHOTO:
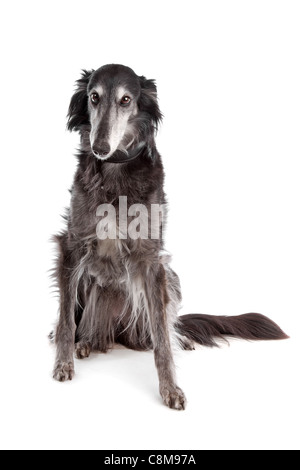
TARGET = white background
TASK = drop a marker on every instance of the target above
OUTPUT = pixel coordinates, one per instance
(228, 79)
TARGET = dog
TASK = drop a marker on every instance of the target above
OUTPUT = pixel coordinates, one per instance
(121, 289)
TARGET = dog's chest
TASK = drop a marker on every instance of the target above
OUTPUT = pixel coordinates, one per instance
(108, 264)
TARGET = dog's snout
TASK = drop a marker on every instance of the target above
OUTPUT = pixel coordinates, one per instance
(101, 150)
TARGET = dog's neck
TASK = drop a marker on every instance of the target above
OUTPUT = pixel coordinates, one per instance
(120, 157)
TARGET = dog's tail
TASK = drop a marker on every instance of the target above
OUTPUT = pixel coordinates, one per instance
(205, 329)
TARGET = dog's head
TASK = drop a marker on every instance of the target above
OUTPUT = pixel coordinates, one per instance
(116, 109)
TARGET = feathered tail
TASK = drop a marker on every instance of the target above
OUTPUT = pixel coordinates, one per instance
(204, 329)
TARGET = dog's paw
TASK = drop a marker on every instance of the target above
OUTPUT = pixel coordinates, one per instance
(187, 344)
(82, 350)
(51, 336)
(173, 397)
(63, 371)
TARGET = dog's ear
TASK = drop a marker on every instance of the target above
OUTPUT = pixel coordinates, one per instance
(148, 100)
(78, 111)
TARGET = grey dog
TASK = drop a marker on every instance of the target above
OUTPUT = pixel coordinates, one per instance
(121, 289)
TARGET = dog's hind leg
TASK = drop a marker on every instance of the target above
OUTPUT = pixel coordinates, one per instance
(96, 330)
(157, 299)
(82, 350)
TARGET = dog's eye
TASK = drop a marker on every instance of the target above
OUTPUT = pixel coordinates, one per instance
(125, 100)
(95, 98)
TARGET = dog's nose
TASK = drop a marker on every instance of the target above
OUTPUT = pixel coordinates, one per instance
(101, 150)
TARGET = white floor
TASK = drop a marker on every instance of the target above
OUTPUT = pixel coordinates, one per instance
(245, 396)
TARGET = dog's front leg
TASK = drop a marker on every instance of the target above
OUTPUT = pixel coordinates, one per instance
(65, 330)
(157, 299)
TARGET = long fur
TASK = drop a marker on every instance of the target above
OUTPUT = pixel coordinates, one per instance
(204, 329)
(123, 290)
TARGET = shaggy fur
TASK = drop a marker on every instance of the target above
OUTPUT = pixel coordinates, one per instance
(123, 290)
